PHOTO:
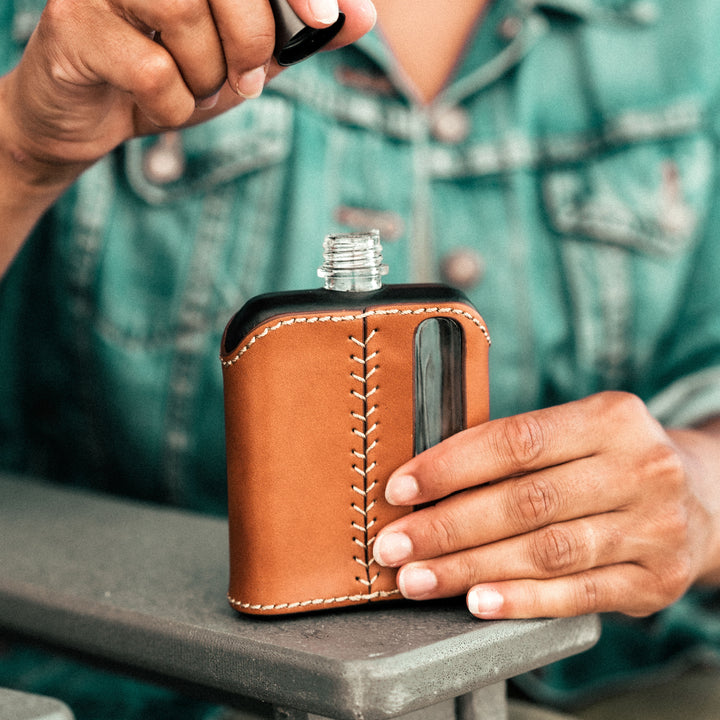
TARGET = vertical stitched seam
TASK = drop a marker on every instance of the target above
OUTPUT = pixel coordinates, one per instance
(179, 438)
(365, 429)
(90, 219)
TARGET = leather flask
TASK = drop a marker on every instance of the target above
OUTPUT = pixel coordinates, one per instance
(327, 391)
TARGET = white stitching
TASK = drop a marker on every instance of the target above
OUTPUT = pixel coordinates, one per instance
(360, 316)
(367, 465)
(368, 583)
(317, 601)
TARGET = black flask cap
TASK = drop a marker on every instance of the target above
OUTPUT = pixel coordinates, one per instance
(295, 41)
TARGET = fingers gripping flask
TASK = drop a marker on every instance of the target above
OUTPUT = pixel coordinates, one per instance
(327, 391)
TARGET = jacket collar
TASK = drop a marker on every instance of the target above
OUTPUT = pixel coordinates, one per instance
(508, 31)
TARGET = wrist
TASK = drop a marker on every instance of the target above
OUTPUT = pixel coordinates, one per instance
(42, 177)
(700, 452)
(31, 179)
(34, 164)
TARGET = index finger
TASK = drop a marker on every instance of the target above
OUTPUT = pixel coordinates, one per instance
(497, 450)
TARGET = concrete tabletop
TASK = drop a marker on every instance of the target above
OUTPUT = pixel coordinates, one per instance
(144, 586)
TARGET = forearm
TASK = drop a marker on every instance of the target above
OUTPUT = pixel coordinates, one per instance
(25, 194)
(29, 183)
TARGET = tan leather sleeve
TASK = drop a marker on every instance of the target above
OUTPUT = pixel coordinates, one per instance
(319, 412)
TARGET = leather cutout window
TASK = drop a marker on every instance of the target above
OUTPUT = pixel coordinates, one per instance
(439, 385)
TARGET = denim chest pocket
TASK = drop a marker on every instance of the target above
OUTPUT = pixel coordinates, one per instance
(626, 222)
(158, 261)
(648, 197)
(239, 142)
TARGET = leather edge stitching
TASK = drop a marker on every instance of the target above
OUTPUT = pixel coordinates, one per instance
(317, 601)
(345, 318)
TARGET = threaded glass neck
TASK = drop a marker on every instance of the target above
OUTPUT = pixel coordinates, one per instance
(353, 262)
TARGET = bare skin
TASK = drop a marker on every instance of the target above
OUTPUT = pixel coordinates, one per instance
(426, 43)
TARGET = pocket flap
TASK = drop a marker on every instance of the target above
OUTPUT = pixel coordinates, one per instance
(240, 141)
(650, 196)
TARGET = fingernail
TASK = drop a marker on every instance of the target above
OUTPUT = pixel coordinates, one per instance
(485, 602)
(324, 11)
(402, 490)
(416, 583)
(251, 83)
(392, 549)
(373, 12)
(208, 103)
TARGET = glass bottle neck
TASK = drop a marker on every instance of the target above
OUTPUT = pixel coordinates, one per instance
(353, 262)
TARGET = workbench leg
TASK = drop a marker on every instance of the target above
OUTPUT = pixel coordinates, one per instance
(15, 704)
(487, 703)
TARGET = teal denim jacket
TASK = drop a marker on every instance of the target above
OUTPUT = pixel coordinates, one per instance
(566, 179)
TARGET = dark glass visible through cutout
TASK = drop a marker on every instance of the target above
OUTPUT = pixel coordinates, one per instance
(439, 382)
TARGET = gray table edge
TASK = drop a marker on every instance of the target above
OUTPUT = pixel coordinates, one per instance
(333, 664)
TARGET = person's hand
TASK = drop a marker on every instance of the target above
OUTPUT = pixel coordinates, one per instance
(97, 72)
(579, 508)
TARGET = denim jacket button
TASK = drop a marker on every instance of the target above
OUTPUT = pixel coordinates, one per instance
(645, 12)
(509, 27)
(164, 162)
(462, 268)
(389, 223)
(23, 25)
(450, 125)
